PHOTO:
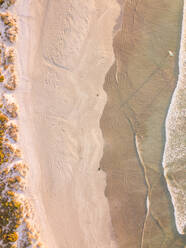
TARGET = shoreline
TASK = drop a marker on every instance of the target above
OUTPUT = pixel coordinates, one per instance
(62, 139)
(174, 152)
(139, 87)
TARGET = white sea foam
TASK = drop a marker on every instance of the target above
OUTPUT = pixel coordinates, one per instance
(174, 161)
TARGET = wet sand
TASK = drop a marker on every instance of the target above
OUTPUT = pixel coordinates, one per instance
(139, 87)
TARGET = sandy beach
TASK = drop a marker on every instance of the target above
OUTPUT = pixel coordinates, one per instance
(96, 79)
(65, 50)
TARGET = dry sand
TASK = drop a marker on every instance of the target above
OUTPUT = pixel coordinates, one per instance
(65, 50)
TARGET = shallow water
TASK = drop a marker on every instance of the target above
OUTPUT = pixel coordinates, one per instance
(139, 87)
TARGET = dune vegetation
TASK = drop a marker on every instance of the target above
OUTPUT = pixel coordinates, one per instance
(16, 227)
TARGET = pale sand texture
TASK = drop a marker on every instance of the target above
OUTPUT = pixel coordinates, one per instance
(65, 50)
(175, 149)
(139, 86)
